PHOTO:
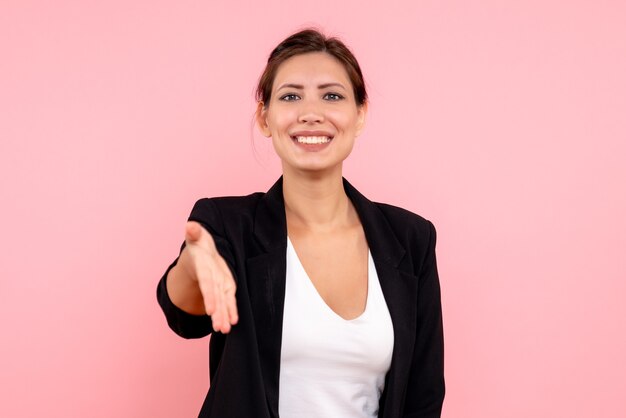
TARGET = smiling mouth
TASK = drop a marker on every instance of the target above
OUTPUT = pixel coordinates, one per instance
(312, 139)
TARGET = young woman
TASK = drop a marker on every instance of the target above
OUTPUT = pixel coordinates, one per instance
(320, 302)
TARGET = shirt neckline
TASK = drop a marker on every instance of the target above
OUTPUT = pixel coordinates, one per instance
(362, 315)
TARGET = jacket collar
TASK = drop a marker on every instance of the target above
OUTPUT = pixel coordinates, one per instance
(270, 226)
(399, 289)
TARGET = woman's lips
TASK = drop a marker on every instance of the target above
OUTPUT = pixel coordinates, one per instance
(312, 139)
(312, 143)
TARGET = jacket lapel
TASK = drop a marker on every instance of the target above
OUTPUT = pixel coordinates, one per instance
(266, 283)
(400, 291)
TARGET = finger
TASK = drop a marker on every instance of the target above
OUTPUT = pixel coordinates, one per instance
(225, 325)
(229, 289)
(231, 305)
(227, 295)
(226, 291)
(208, 294)
(218, 316)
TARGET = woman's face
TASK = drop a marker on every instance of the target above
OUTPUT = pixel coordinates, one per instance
(312, 117)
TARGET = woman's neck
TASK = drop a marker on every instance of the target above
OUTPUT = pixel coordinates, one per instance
(316, 201)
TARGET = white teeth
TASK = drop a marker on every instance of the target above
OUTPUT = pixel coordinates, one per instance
(312, 139)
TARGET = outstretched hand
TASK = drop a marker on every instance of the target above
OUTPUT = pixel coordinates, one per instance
(206, 266)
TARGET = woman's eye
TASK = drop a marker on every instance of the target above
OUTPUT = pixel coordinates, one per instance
(333, 96)
(289, 97)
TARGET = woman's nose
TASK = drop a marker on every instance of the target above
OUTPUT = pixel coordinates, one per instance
(310, 113)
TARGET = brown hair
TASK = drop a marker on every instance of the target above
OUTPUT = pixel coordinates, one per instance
(305, 41)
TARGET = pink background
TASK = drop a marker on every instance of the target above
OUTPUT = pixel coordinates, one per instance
(505, 121)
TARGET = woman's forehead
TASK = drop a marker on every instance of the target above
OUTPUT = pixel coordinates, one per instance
(312, 68)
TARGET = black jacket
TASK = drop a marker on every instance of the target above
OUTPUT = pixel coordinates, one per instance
(251, 235)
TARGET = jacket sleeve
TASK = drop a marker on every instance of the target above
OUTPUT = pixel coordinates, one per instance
(182, 323)
(426, 382)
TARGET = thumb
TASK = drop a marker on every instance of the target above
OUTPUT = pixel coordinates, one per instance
(193, 231)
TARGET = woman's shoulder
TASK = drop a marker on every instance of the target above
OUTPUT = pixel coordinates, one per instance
(401, 218)
(412, 230)
(416, 234)
(230, 204)
(216, 211)
(398, 218)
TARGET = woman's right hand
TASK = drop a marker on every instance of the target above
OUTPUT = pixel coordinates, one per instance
(201, 263)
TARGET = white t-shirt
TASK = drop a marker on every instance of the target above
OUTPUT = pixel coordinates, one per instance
(330, 366)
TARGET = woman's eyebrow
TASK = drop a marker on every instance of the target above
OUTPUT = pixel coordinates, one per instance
(301, 87)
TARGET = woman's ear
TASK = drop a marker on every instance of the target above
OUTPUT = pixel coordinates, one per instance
(360, 123)
(261, 119)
